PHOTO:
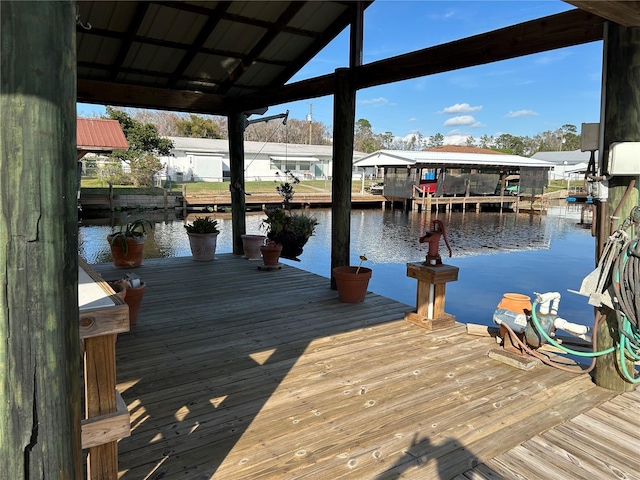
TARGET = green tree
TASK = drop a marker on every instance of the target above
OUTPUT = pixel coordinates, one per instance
(196, 126)
(470, 141)
(570, 138)
(436, 140)
(486, 141)
(364, 139)
(145, 145)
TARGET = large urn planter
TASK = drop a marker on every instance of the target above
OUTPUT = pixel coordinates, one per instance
(271, 254)
(129, 255)
(203, 237)
(203, 246)
(251, 245)
(352, 286)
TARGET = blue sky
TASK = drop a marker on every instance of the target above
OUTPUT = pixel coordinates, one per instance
(523, 96)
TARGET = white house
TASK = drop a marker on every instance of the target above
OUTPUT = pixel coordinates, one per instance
(207, 160)
(567, 165)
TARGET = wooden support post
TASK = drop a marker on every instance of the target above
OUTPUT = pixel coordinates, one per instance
(430, 296)
(100, 396)
(236, 172)
(184, 201)
(40, 355)
(344, 108)
(621, 122)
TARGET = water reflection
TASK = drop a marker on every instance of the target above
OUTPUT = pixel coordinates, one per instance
(496, 253)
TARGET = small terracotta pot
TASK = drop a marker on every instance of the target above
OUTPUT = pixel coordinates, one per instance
(134, 299)
(352, 286)
(515, 302)
(270, 255)
(120, 287)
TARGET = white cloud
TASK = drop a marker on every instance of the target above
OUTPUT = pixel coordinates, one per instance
(413, 119)
(456, 139)
(377, 102)
(461, 108)
(466, 120)
(551, 57)
(521, 113)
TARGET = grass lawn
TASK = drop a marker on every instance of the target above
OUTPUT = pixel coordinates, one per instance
(95, 186)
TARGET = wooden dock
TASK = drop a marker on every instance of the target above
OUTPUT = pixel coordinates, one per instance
(236, 373)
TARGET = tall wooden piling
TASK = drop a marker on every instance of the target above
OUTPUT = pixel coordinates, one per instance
(40, 372)
(344, 108)
(621, 122)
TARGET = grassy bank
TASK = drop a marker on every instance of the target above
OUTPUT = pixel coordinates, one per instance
(95, 186)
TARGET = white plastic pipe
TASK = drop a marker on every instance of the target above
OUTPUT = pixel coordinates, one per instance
(580, 331)
(545, 304)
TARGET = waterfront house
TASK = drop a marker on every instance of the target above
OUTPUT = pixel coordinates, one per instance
(208, 160)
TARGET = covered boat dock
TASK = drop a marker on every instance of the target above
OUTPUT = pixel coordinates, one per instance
(446, 176)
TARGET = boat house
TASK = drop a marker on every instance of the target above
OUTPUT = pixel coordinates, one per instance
(448, 171)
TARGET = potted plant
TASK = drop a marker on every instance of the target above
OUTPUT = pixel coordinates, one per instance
(271, 252)
(352, 282)
(127, 244)
(203, 236)
(291, 230)
(251, 245)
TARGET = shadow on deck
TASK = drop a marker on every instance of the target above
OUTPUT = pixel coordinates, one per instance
(236, 373)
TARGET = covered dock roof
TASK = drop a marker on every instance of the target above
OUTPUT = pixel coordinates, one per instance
(430, 158)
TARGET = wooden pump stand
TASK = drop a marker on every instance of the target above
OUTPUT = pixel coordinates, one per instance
(432, 280)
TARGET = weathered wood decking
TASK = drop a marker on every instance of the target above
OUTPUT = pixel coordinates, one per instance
(236, 373)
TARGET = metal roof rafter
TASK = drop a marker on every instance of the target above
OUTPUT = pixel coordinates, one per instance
(128, 39)
(263, 43)
(203, 34)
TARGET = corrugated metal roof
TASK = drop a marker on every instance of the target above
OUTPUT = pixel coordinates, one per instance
(212, 145)
(100, 135)
(463, 149)
(384, 158)
(572, 157)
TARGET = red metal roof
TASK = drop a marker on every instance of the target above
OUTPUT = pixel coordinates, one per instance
(100, 135)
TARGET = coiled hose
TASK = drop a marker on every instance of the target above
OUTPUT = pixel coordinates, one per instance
(625, 280)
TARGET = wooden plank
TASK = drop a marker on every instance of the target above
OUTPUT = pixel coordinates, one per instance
(100, 399)
(106, 428)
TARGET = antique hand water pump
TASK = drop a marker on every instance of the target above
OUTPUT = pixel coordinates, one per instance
(432, 237)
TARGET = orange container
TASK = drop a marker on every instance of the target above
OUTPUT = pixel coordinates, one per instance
(515, 302)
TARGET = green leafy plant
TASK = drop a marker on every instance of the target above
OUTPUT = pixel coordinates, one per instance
(292, 230)
(285, 188)
(362, 259)
(279, 220)
(136, 229)
(202, 225)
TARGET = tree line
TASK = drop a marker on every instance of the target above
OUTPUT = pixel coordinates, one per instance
(365, 140)
(146, 132)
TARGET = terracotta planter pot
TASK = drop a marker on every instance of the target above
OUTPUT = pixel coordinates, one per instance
(251, 245)
(515, 302)
(270, 255)
(120, 287)
(352, 286)
(134, 255)
(203, 246)
(133, 298)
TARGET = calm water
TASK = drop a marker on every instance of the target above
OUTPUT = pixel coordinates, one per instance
(495, 253)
